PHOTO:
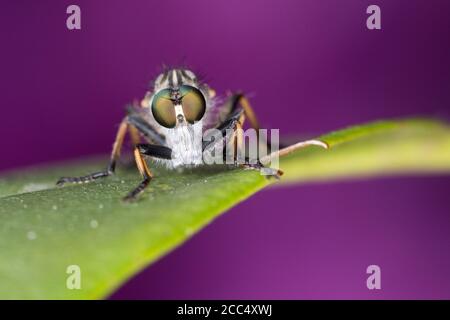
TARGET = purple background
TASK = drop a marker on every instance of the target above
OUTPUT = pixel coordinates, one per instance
(310, 66)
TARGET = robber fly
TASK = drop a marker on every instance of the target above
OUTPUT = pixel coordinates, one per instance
(178, 107)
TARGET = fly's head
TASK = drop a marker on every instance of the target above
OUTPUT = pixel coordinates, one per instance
(178, 99)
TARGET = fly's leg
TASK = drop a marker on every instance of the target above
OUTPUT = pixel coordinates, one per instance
(235, 122)
(136, 125)
(249, 113)
(248, 163)
(135, 139)
(240, 99)
(117, 146)
(146, 174)
(239, 135)
(248, 110)
(152, 150)
(134, 134)
(239, 145)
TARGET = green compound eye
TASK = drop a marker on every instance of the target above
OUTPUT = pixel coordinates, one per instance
(193, 103)
(163, 109)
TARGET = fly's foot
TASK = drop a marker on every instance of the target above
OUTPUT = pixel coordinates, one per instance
(266, 171)
(133, 194)
(84, 179)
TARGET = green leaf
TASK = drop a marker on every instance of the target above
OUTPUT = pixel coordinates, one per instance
(413, 146)
(44, 229)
